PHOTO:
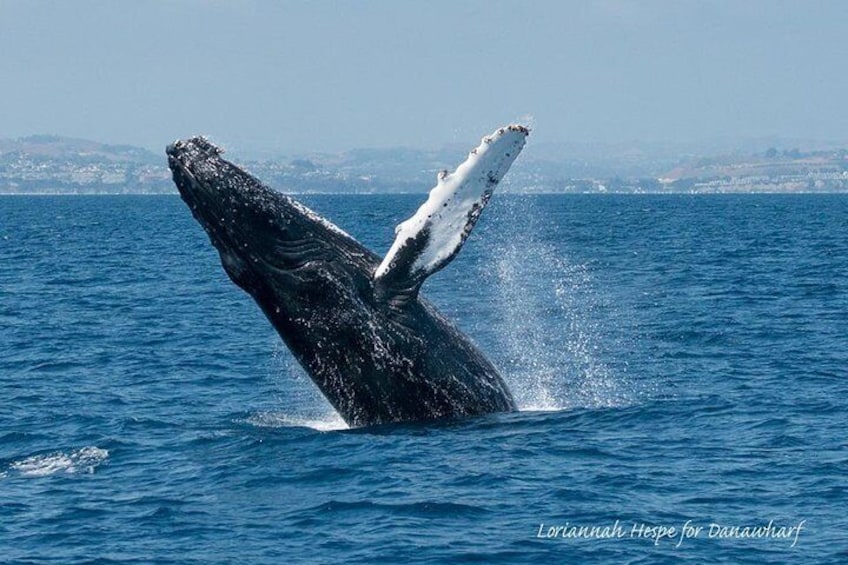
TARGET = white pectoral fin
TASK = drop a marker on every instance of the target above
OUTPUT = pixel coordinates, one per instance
(432, 237)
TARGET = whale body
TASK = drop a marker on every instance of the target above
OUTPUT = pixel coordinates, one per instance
(357, 324)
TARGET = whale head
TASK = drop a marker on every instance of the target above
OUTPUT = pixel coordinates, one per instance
(266, 240)
(230, 205)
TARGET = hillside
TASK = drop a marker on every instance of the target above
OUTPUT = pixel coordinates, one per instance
(773, 171)
(52, 164)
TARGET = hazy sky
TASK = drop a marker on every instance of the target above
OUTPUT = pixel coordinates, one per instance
(325, 76)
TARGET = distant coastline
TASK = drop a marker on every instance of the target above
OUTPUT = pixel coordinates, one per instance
(53, 165)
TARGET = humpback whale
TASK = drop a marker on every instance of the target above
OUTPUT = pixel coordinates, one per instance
(357, 323)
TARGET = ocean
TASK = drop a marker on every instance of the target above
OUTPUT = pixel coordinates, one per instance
(680, 362)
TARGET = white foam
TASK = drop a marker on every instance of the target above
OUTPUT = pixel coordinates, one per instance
(83, 460)
(331, 422)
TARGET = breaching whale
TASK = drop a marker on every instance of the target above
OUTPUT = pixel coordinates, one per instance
(376, 349)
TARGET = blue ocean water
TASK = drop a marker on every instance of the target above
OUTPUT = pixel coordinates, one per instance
(677, 358)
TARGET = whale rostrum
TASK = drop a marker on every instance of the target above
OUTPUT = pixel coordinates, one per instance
(377, 350)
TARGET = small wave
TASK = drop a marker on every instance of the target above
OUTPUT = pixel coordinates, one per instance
(401, 508)
(83, 460)
(329, 423)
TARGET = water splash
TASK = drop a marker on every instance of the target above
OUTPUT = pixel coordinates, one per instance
(552, 340)
(83, 460)
(302, 401)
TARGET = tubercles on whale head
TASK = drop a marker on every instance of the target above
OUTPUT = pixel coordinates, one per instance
(195, 147)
